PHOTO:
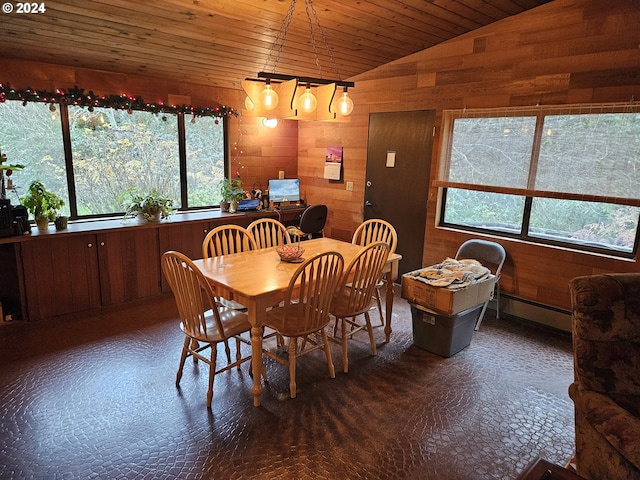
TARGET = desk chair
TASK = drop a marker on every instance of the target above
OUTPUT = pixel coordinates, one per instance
(312, 223)
(490, 254)
(204, 321)
(305, 311)
(371, 231)
(355, 294)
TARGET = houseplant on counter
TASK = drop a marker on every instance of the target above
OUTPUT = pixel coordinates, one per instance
(231, 193)
(151, 206)
(42, 204)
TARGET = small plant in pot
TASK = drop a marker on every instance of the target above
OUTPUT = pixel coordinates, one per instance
(231, 193)
(150, 206)
(42, 204)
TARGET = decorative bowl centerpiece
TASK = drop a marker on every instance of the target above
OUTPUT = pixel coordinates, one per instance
(290, 253)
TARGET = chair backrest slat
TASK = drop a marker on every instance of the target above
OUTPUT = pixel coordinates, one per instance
(310, 292)
(227, 239)
(362, 276)
(193, 294)
(375, 230)
(268, 232)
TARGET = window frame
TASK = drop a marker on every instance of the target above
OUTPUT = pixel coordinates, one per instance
(182, 159)
(529, 193)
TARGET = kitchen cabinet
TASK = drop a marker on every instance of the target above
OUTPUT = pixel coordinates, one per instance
(61, 275)
(129, 264)
(71, 273)
(99, 263)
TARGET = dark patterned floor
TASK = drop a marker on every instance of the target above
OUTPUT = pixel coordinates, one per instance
(93, 397)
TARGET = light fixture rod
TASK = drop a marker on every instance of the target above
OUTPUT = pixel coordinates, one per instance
(262, 76)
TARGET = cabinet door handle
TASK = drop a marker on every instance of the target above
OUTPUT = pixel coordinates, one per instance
(102, 244)
(89, 245)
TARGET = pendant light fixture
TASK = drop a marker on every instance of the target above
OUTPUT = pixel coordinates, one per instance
(268, 97)
(307, 101)
(276, 95)
(345, 104)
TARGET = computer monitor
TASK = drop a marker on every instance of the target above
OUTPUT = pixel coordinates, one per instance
(284, 190)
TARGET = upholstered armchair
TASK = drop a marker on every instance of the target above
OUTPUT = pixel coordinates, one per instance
(606, 390)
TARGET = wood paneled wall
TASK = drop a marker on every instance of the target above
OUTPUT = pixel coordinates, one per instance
(565, 52)
(258, 152)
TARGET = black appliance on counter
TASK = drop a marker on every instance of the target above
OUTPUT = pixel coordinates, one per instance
(14, 220)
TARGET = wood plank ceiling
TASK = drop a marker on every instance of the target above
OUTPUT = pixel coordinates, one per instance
(220, 42)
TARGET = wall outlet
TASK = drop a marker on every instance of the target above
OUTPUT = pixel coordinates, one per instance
(349, 186)
(281, 174)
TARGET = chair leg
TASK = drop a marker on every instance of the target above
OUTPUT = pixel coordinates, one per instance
(497, 300)
(481, 316)
(327, 351)
(377, 297)
(183, 358)
(370, 330)
(293, 341)
(212, 373)
(195, 346)
(345, 356)
(238, 353)
(227, 350)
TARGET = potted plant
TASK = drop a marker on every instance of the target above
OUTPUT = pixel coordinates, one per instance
(150, 206)
(42, 204)
(231, 193)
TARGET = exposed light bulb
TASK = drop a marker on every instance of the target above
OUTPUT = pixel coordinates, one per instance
(270, 122)
(268, 97)
(248, 104)
(345, 104)
(307, 101)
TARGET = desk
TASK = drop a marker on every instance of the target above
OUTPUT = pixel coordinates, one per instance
(258, 280)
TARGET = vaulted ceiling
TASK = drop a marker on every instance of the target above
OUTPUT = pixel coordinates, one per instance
(220, 42)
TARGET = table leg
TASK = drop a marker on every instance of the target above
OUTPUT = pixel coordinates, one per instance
(388, 307)
(256, 363)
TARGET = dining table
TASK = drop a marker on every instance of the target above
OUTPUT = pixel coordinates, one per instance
(258, 279)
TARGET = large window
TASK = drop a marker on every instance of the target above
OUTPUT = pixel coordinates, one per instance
(567, 176)
(32, 135)
(110, 151)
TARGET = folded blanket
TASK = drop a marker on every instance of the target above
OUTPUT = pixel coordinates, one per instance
(452, 274)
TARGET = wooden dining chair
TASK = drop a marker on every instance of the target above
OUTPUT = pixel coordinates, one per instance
(204, 321)
(305, 311)
(268, 232)
(355, 295)
(227, 239)
(371, 231)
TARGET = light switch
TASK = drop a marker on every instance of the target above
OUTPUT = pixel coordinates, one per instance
(349, 186)
(281, 174)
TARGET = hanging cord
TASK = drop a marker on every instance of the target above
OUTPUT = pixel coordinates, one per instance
(309, 4)
(281, 37)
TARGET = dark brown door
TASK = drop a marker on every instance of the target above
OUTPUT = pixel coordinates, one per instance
(398, 166)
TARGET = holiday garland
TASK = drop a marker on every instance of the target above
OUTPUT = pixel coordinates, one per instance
(77, 96)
